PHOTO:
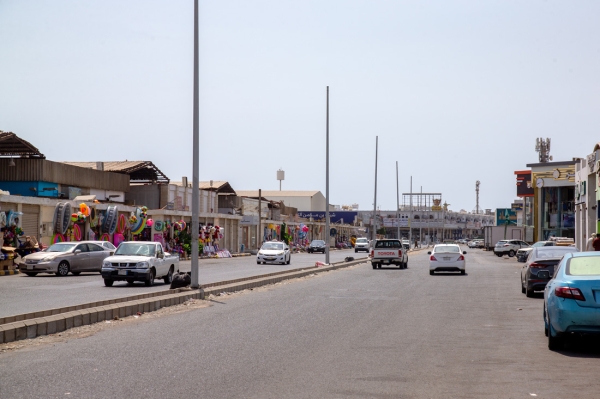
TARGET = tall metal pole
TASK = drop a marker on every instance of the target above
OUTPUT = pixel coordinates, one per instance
(196, 160)
(397, 202)
(375, 200)
(327, 233)
(259, 228)
(411, 215)
(421, 218)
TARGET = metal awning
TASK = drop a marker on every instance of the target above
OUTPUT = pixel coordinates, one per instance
(13, 146)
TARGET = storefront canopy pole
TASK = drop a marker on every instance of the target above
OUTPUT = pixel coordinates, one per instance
(196, 160)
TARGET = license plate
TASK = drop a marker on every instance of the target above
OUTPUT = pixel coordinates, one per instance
(123, 272)
(29, 267)
(446, 258)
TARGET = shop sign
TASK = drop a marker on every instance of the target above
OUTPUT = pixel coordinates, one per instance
(591, 161)
(516, 207)
(249, 220)
(504, 214)
(580, 192)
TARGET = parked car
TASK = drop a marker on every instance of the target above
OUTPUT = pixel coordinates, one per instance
(447, 258)
(274, 252)
(362, 244)
(475, 244)
(316, 246)
(523, 253)
(389, 252)
(572, 298)
(541, 259)
(64, 257)
(139, 261)
(509, 247)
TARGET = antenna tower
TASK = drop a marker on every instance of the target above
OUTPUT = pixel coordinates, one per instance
(543, 148)
(477, 183)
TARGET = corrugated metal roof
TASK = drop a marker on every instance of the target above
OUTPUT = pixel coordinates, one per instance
(276, 193)
(139, 171)
(12, 145)
(220, 186)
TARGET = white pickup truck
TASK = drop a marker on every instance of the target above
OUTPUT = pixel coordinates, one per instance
(389, 252)
(139, 261)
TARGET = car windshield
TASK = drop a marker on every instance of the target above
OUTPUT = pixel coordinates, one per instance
(140, 249)
(61, 247)
(272, 245)
(446, 248)
(317, 242)
(553, 252)
(584, 266)
(362, 240)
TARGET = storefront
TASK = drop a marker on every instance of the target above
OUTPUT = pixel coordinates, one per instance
(554, 199)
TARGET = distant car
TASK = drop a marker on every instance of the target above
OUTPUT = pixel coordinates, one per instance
(541, 259)
(509, 247)
(389, 252)
(318, 246)
(362, 244)
(447, 258)
(571, 298)
(106, 244)
(64, 257)
(274, 252)
(475, 244)
(523, 253)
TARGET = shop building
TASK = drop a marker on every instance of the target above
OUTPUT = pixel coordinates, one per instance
(554, 199)
(587, 197)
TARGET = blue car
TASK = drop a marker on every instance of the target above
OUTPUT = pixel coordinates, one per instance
(572, 298)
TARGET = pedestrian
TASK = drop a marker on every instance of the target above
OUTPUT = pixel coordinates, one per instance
(589, 246)
(596, 243)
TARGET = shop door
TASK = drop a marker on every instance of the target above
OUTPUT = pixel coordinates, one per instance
(245, 237)
(30, 221)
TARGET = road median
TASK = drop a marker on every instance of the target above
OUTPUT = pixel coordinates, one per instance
(34, 324)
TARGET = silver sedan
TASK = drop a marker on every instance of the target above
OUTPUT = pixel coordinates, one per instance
(64, 257)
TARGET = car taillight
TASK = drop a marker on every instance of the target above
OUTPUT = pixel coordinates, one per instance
(372, 253)
(568, 292)
(505, 245)
(461, 258)
(432, 257)
(399, 253)
(537, 265)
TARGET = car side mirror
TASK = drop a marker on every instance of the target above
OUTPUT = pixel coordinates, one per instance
(77, 251)
(429, 253)
(112, 253)
(161, 256)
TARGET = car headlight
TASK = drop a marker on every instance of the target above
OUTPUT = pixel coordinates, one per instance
(47, 259)
(260, 253)
(106, 263)
(280, 253)
(143, 265)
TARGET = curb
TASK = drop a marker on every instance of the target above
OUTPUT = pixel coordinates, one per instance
(31, 325)
(8, 272)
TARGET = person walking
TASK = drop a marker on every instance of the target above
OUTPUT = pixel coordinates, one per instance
(596, 243)
(589, 246)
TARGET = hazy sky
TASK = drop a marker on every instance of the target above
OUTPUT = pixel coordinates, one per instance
(457, 91)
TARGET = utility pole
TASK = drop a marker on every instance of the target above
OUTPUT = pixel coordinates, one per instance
(375, 200)
(411, 215)
(196, 160)
(327, 233)
(421, 218)
(397, 202)
(259, 228)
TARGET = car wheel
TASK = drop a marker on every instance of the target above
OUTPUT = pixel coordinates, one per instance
(511, 253)
(463, 272)
(289, 260)
(108, 282)
(130, 281)
(63, 269)
(150, 280)
(522, 288)
(31, 274)
(431, 272)
(545, 324)
(169, 277)
(355, 251)
(498, 254)
(257, 262)
(528, 292)
(75, 273)
(374, 266)
(555, 341)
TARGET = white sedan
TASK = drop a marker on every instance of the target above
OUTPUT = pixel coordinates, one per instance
(274, 251)
(446, 258)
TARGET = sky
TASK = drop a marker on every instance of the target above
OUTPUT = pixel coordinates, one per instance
(455, 91)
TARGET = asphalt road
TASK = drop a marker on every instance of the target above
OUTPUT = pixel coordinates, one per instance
(22, 294)
(352, 333)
